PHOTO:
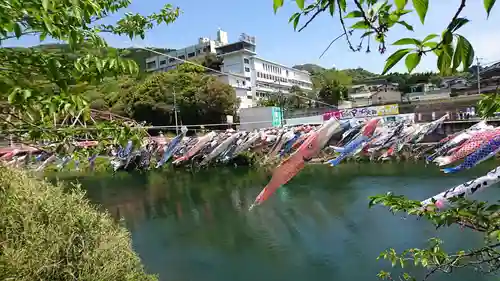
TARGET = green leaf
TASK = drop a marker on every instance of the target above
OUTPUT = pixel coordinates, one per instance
(354, 14)
(17, 30)
(360, 25)
(26, 94)
(293, 17)
(412, 60)
(12, 97)
(445, 59)
(377, 6)
(45, 5)
(393, 19)
(457, 56)
(296, 22)
(405, 24)
(431, 45)
(332, 7)
(393, 59)
(447, 37)
(402, 12)
(493, 208)
(368, 33)
(488, 5)
(421, 6)
(43, 35)
(430, 37)
(407, 41)
(343, 5)
(48, 24)
(300, 4)
(400, 4)
(456, 24)
(277, 4)
(467, 52)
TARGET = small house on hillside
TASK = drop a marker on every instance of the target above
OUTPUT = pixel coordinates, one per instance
(454, 83)
(426, 91)
(382, 92)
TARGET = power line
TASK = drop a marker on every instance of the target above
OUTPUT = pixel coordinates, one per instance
(478, 66)
(228, 74)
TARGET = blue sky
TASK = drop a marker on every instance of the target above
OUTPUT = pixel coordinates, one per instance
(277, 41)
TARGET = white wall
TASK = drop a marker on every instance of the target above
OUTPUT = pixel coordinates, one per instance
(269, 72)
(318, 119)
(242, 88)
(233, 63)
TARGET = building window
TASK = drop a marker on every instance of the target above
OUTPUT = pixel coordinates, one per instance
(247, 69)
(198, 52)
(243, 82)
(190, 55)
(287, 73)
(171, 60)
(249, 97)
(246, 61)
(182, 57)
(151, 64)
(247, 78)
(163, 62)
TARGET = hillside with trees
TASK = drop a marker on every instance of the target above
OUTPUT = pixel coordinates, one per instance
(346, 77)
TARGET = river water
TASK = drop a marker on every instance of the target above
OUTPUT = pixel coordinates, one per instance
(189, 227)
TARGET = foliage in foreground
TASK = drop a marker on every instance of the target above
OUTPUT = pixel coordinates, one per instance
(474, 215)
(41, 90)
(50, 234)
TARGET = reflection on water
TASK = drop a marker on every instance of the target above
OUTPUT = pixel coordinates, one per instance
(318, 227)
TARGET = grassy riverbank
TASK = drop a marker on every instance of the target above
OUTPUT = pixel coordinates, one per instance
(50, 234)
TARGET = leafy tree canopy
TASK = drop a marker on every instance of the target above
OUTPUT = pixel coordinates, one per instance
(44, 87)
(200, 98)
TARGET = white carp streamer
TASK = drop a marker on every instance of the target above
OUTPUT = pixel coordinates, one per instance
(465, 189)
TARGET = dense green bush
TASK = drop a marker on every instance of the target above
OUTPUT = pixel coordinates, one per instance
(49, 234)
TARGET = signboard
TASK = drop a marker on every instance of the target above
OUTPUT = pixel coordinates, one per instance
(363, 112)
(276, 116)
(229, 119)
(247, 38)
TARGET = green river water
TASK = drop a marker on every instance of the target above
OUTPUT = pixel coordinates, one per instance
(189, 227)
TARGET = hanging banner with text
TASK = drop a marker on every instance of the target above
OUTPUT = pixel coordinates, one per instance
(363, 112)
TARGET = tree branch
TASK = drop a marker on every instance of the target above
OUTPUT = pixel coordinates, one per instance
(319, 11)
(455, 258)
(347, 34)
(22, 34)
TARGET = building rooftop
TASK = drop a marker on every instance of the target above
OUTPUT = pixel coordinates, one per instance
(235, 47)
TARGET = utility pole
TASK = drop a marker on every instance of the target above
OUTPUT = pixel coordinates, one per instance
(175, 115)
(281, 101)
(478, 65)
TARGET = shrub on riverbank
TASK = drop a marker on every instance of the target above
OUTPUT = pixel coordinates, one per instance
(48, 234)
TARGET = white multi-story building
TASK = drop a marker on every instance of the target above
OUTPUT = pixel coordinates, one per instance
(202, 48)
(252, 77)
